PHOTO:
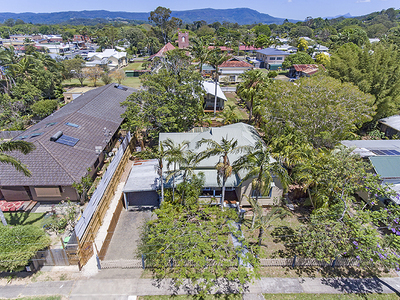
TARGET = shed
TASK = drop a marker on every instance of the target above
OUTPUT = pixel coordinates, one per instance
(141, 186)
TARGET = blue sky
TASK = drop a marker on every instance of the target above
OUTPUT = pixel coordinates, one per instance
(293, 9)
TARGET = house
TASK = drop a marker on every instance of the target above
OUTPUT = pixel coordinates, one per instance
(272, 58)
(20, 38)
(306, 70)
(113, 58)
(231, 69)
(68, 142)
(384, 156)
(390, 126)
(246, 135)
(209, 98)
(161, 53)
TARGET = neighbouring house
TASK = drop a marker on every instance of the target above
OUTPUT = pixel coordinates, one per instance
(271, 58)
(246, 135)
(384, 156)
(68, 142)
(209, 98)
(222, 48)
(74, 93)
(142, 184)
(114, 59)
(390, 126)
(161, 53)
(306, 70)
(231, 69)
(286, 48)
(20, 38)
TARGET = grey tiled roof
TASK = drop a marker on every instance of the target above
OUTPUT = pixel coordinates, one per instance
(57, 164)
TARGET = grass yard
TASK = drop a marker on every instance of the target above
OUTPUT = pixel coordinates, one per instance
(134, 66)
(182, 297)
(240, 112)
(128, 81)
(25, 218)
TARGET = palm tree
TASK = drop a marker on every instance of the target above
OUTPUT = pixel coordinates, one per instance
(174, 153)
(252, 88)
(215, 59)
(188, 163)
(259, 168)
(24, 148)
(264, 222)
(223, 150)
(199, 50)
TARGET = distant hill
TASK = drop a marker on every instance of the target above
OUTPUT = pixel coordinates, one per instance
(348, 15)
(235, 15)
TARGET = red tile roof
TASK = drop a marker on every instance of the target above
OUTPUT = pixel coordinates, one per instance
(235, 63)
(166, 48)
(248, 48)
(308, 69)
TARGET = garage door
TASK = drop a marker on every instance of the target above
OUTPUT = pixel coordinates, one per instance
(149, 198)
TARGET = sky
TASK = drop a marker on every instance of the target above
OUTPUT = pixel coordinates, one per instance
(291, 9)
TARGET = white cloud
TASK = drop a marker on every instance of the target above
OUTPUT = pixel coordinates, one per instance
(289, 1)
(362, 1)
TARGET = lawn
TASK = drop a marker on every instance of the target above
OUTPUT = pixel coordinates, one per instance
(182, 297)
(128, 81)
(240, 112)
(331, 296)
(25, 218)
(134, 66)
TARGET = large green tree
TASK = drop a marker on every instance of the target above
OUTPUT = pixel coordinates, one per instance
(299, 58)
(375, 71)
(321, 108)
(172, 98)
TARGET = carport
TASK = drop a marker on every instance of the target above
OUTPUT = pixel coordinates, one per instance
(142, 184)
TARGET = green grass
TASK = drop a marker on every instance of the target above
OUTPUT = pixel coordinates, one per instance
(38, 298)
(231, 97)
(25, 218)
(128, 81)
(134, 66)
(331, 296)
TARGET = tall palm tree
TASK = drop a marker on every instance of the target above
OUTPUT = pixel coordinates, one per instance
(223, 150)
(189, 161)
(24, 148)
(199, 50)
(252, 88)
(174, 153)
(215, 59)
(260, 169)
(264, 221)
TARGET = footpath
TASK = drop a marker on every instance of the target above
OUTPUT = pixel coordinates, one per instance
(129, 288)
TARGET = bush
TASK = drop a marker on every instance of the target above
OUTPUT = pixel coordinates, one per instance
(19, 244)
(43, 108)
(272, 74)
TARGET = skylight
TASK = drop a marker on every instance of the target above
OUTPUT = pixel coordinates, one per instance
(51, 124)
(72, 125)
(67, 140)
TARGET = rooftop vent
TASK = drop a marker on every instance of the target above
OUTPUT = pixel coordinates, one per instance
(56, 136)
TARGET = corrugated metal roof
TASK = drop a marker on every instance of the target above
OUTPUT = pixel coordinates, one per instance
(210, 89)
(272, 51)
(386, 166)
(143, 176)
(393, 121)
(364, 147)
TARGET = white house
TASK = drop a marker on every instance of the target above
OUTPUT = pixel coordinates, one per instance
(114, 58)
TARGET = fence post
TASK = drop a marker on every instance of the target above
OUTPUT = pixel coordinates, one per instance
(143, 262)
(98, 262)
(294, 261)
(334, 262)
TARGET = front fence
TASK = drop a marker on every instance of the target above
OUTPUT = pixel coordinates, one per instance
(54, 257)
(269, 262)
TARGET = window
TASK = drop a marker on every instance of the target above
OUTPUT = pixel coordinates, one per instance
(48, 192)
(232, 78)
(279, 58)
(272, 58)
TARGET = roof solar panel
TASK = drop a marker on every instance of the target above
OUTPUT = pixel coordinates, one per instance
(67, 140)
(387, 152)
(395, 152)
(378, 152)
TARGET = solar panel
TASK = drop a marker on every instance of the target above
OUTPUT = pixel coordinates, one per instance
(72, 125)
(120, 87)
(386, 152)
(378, 152)
(395, 152)
(67, 140)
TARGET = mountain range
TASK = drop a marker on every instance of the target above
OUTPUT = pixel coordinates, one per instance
(235, 15)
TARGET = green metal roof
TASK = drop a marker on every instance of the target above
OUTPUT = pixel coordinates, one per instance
(386, 166)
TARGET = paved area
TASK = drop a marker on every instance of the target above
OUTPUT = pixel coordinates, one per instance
(127, 288)
(127, 234)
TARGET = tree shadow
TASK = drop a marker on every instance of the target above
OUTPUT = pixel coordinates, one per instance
(20, 218)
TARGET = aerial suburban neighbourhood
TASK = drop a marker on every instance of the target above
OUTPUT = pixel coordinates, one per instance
(200, 154)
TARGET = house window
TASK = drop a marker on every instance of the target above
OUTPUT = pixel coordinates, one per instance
(272, 58)
(279, 58)
(232, 78)
(266, 194)
(48, 192)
